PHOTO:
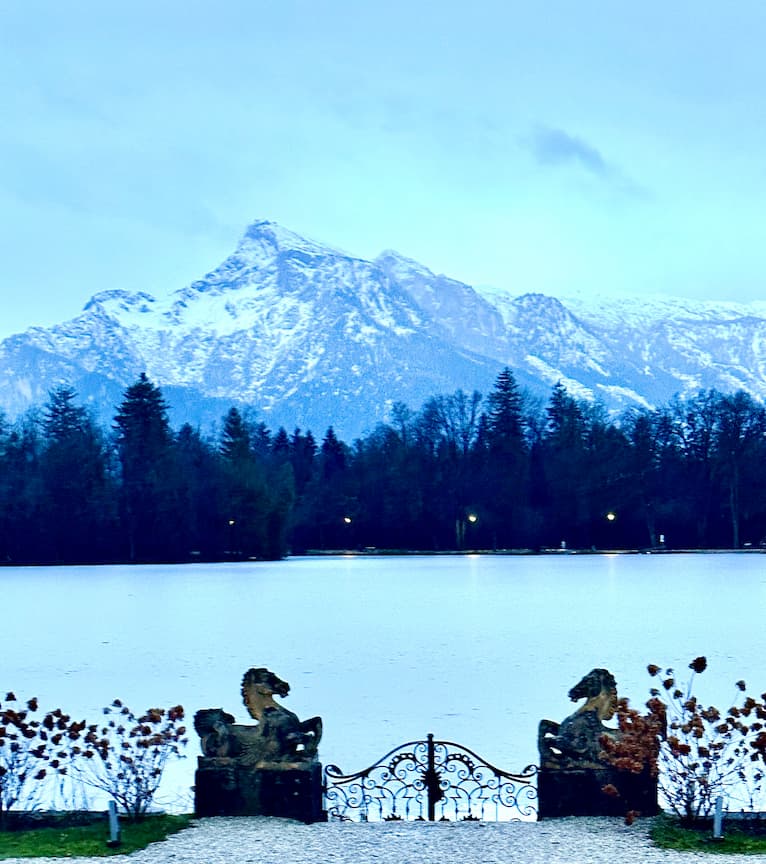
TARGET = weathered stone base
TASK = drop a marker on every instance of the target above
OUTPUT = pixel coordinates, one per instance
(223, 787)
(578, 792)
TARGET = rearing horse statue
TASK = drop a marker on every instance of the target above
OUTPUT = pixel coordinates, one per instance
(576, 741)
(296, 739)
(279, 735)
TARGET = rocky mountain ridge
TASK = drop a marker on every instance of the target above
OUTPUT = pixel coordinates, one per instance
(311, 336)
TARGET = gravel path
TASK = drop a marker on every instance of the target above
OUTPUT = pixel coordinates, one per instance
(257, 840)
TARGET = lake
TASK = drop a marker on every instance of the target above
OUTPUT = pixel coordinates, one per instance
(474, 648)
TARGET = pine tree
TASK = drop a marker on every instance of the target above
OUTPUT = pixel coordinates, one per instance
(280, 445)
(261, 439)
(20, 491)
(236, 437)
(245, 500)
(76, 504)
(303, 451)
(505, 418)
(200, 522)
(333, 454)
(503, 464)
(565, 469)
(62, 418)
(144, 440)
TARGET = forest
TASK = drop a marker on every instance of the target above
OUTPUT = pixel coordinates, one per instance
(464, 472)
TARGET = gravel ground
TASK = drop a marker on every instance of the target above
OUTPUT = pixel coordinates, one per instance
(257, 840)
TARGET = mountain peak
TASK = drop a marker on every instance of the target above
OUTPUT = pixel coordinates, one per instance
(264, 233)
(310, 335)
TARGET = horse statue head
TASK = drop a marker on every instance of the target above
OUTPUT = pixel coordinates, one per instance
(599, 689)
(259, 686)
(214, 725)
(576, 741)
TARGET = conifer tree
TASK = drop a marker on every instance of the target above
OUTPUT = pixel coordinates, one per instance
(144, 440)
(199, 490)
(245, 499)
(303, 451)
(505, 418)
(564, 469)
(333, 454)
(76, 512)
(503, 463)
(235, 438)
(20, 491)
(280, 445)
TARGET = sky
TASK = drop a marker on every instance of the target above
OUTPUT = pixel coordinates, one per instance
(569, 148)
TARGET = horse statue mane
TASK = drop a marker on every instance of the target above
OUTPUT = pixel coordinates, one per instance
(259, 686)
(576, 741)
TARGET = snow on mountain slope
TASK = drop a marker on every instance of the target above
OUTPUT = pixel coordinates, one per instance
(284, 323)
(645, 349)
(312, 336)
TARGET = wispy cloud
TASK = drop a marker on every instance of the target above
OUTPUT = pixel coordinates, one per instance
(557, 147)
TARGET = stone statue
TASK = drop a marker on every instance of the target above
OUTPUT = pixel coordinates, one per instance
(573, 774)
(293, 739)
(268, 768)
(279, 735)
(576, 741)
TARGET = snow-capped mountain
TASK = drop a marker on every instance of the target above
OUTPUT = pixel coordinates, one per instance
(311, 336)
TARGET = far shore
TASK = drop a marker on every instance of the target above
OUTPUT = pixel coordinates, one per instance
(396, 553)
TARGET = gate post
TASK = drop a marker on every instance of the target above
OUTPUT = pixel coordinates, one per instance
(431, 779)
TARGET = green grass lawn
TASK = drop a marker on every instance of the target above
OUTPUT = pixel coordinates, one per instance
(667, 833)
(88, 840)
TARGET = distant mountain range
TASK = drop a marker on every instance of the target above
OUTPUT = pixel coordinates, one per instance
(311, 336)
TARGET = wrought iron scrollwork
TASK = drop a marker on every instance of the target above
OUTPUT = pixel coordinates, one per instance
(431, 780)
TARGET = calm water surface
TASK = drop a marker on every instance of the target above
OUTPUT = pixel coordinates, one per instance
(476, 649)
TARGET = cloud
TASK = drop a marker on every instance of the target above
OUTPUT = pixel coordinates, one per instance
(557, 147)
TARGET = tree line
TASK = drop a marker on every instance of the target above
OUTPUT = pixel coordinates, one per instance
(508, 471)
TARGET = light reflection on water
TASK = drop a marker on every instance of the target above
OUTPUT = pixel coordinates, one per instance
(476, 649)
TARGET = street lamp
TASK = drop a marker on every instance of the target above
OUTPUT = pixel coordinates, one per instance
(461, 523)
(610, 518)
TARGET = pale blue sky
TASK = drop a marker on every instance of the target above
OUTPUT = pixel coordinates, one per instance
(559, 147)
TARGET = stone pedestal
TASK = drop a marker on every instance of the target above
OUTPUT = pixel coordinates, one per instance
(579, 792)
(225, 787)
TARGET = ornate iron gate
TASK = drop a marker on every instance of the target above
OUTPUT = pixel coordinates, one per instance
(431, 780)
